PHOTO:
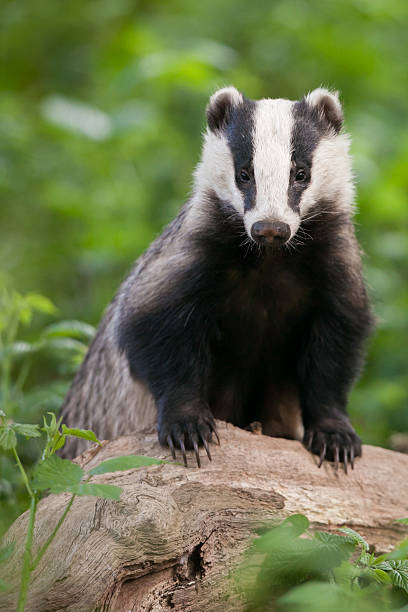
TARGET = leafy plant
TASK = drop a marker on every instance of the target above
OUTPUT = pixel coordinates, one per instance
(56, 475)
(22, 399)
(291, 569)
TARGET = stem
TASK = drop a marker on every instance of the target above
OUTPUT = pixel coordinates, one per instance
(23, 474)
(26, 572)
(52, 536)
(5, 370)
(6, 367)
(22, 376)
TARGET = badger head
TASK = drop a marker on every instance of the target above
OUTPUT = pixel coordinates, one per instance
(275, 161)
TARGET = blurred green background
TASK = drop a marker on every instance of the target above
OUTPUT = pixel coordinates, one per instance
(101, 114)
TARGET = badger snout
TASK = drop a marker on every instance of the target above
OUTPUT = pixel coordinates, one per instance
(270, 232)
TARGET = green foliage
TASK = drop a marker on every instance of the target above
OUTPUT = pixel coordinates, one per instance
(291, 569)
(24, 397)
(55, 475)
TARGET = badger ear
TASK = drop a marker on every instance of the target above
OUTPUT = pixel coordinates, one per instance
(220, 106)
(328, 105)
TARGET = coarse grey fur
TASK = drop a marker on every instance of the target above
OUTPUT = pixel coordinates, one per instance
(205, 272)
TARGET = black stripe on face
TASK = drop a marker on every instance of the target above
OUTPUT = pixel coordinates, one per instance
(307, 132)
(240, 136)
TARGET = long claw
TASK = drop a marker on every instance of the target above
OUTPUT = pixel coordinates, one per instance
(322, 454)
(336, 457)
(310, 441)
(214, 431)
(171, 446)
(197, 456)
(352, 457)
(345, 459)
(207, 448)
(183, 450)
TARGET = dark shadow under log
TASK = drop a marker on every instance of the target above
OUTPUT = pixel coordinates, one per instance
(176, 534)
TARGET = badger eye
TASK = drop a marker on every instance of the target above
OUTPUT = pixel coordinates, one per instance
(300, 175)
(244, 175)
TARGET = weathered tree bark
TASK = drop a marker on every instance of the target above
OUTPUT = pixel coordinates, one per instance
(176, 533)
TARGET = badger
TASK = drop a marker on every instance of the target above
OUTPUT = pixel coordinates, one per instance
(251, 305)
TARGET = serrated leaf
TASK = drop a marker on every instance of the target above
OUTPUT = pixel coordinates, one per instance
(86, 434)
(365, 559)
(29, 431)
(8, 438)
(57, 475)
(334, 539)
(106, 491)
(70, 329)
(340, 545)
(127, 462)
(380, 575)
(398, 572)
(59, 444)
(356, 537)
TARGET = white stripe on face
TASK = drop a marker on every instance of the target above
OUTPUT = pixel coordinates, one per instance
(272, 163)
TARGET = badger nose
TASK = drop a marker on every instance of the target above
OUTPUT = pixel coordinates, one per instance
(270, 232)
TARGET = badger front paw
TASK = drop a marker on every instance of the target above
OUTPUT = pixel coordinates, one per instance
(187, 428)
(333, 439)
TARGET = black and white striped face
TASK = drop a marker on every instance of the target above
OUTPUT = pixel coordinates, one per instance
(274, 160)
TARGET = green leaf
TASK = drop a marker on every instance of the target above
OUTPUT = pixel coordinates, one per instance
(59, 444)
(380, 575)
(398, 572)
(86, 434)
(313, 596)
(127, 462)
(29, 431)
(404, 521)
(340, 544)
(356, 537)
(40, 303)
(57, 475)
(70, 329)
(8, 438)
(52, 427)
(6, 552)
(106, 491)
(298, 522)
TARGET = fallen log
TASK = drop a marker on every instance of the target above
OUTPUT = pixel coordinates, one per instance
(176, 534)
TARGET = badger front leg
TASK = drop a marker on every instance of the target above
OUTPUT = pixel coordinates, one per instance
(329, 363)
(167, 348)
(185, 421)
